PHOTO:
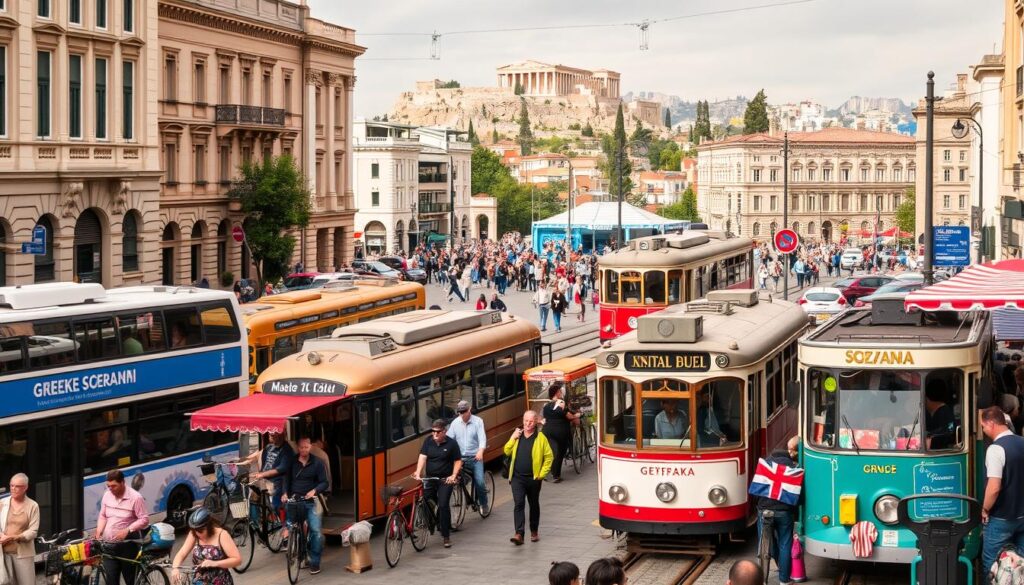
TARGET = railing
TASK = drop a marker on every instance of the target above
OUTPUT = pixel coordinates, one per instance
(433, 177)
(434, 208)
(257, 115)
(331, 31)
(1020, 80)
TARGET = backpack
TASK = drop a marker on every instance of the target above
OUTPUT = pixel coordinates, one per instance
(1008, 568)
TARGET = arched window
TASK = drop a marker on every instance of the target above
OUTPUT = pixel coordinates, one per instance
(756, 228)
(796, 226)
(130, 242)
(88, 257)
(45, 268)
(222, 249)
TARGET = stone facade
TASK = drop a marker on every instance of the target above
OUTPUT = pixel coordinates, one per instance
(543, 79)
(841, 181)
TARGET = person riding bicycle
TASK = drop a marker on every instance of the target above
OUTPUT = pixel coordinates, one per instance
(275, 459)
(307, 477)
(440, 457)
(212, 548)
(468, 431)
(785, 514)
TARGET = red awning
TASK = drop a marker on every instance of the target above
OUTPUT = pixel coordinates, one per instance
(894, 231)
(979, 287)
(259, 413)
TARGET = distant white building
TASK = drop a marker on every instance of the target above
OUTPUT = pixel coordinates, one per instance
(806, 116)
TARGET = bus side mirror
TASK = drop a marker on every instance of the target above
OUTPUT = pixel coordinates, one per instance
(793, 392)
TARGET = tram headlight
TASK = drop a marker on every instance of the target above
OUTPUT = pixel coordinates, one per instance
(314, 358)
(718, 495)
(885, 509)
(665, 491)
(618, 493)
(611, 360)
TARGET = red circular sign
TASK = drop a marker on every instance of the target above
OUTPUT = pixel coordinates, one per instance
(238, 233)
(786, 241)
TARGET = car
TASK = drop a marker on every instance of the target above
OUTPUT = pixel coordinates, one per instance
(322, 279)
(400, 264)
(898, 285)
(376, 267)
(851, 258)
(298, 280)
(823, 302)
(855, 287)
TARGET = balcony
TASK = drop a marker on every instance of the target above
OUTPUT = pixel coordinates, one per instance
(249, 115)
(1020, 80)
(434, 178)
(434, 207)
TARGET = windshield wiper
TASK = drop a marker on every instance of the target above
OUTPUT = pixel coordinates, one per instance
(853, 436)
(912, 430)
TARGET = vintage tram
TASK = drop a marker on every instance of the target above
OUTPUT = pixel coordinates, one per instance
(687, 404)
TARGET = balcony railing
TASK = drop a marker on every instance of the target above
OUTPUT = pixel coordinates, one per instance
(1020, 80)
(433, 177)
(434, 208)
(249, 115)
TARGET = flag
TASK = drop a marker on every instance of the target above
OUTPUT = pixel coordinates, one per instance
(777, 482)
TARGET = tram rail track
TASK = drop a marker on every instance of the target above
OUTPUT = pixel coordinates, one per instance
(644, 568)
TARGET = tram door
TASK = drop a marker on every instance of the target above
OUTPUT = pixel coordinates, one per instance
(755, 444)
(371, 474)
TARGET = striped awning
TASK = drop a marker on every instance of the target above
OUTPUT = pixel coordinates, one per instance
(1008, 324)
(981, 287)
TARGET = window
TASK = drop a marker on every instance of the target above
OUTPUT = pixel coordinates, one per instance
(75, 11)
(484, 388)
(897, 175)
(130, 243)
(844, 202)
(225, 163)
(375, 198)
(844, 175)
(43, 93)
(863, 203)
(864, 175)
(101, 14)
(811, 202)
(43, 9)
(946, 173)
(107, 440)
(183, 328)
(963, 175)
(199, 82)
(44, 264)
(225, 84)
(826, 203)
(618, 424)
(288, 92)
(773, 175)
(796, 175)
(795, 202)
(911, 175)
(757, 175)
(50, 345)
(506, 377)
(129, 16)
(268, 85)
(812, 174)
(654, 286)
(3, 90)
(96, 339)
(895, 201)
(219, 325)
(170, 164)
(773, 203)
(162, 425)
(879, 175)
(374, 170)
(757, 203)
(170, 77)
(402, 408)
(963, 201)
(128, 98)
(879, 203)
(826, 175)
(75, 96)
(246, 86)
(945, 201)
(945, 155)
(101, 99)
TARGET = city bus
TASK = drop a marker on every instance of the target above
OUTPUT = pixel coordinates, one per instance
(655, 272)
(875, 381)
(686, 405)
(371, 390)
(278, 325)
(94, 380)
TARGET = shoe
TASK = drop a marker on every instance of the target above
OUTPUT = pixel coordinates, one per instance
(534, 537)
(314, 570)
(517, 540)
(447, 543)
(557, 480)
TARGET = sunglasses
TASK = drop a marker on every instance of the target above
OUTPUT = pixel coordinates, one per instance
(437, 430)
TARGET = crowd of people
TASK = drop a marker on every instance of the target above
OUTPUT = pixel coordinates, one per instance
(812, 259)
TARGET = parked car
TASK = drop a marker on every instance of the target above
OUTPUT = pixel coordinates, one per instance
(400, 264)
(823, 302)
(376, 267)
(298, 280)
(852, 258)
(856, 287)
(321, 280)
(896, 286)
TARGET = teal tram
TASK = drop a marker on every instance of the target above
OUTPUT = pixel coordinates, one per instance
(888, 407)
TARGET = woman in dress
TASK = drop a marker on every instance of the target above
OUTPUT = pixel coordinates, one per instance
(213, 551)
(19, 524)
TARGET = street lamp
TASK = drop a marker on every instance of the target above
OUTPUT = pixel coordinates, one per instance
(959, 130)
(568, 201)
(641, 149)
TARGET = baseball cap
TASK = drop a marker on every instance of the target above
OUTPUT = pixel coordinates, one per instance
(463, 406)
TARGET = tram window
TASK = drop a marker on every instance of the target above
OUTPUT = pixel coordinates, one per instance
(183, 327)
(506, 377)
(11, 357)
(403, 414)
(611, 286)
(300, 338)
(50, 345)
(141, 332)
(943, 415)
(283, 347)
(631, 287)
(432, 407)
(715, 274)
(219, 325)
(96, 339)
(821, 393)
(654, 286)
(675, 286)
(483, 383)
(618, 412)
(262, 359)
(666, 422)
(719, 413)
(462, 390)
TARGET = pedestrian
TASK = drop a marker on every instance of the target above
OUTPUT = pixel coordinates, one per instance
(268, 290)
(745, 572)
(606, 571)
(1002, 510)
(785, 515)
(542, 300)
(530, 460)
(481, 303)
(557, 421)
(564, 573)
(798, 270)
(581, 299)
(469, 432)
(558, 306)
(497, 304)
(453, 281)
(776, 273)
(274, 462)
(466, 280)
(762, 277)
(214, 552)
(123, 516)
(304, 482)
(440, 458)
(19, 526)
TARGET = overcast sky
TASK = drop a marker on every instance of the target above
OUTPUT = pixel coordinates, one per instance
(823, 50)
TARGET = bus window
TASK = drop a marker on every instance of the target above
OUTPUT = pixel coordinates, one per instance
(301, 337)
(610, 282)
(719, 413)
(631, 289)
(183, 327)
(107, 441)
(51, 345)
(262, 359)
(506, 376)
(283, 347)
(141, 332)
(403, 414)
(219, 325)
(11, 357)
(654, 287)
(96, 340)
(675, 286)
(483, 383)
(619, 424)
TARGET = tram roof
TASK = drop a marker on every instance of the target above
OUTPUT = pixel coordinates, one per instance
(662, 251)
(747, 334)
(856, 327)
(272, 309)
(371, 355)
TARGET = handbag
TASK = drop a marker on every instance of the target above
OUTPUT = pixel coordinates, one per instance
(506, 464)
(5, 570)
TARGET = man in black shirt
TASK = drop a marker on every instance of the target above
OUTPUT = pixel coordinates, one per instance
(440, 457)
(939, 420)
(307, 478)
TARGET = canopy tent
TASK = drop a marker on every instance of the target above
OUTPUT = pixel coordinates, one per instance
(594, 224)
(895, 232)
(258, 413)
(979, 287)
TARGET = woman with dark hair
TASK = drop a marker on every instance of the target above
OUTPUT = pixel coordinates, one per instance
(606, 571)
(557, 420)
(564, 573)
(481, 303)
(212, 548)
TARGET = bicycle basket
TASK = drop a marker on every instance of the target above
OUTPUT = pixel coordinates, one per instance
(209, 472)
(60, 557)
(388, 492)
(239, 509)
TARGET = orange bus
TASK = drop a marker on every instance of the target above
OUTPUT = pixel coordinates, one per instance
(371, 390)
(279, 324)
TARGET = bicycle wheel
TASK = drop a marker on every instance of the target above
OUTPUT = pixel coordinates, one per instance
(294, 555)
(216, 502)
(96, 576)
(458, 504)
(764, 554)
(420, 525)
(275, 536)
(589, 436)
(152, 575)
(576, 451)
(489, 487)
(245, 539)
(393, 537)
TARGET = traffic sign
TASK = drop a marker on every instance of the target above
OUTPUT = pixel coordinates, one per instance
(786, 241)
(39, 235)
(238, 234)
(36, 248)
(952, 245)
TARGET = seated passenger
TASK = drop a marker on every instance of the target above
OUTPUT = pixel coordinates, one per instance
(179, 336)
(939, 420)
(670, 423)
(709, 433)
(130, 345)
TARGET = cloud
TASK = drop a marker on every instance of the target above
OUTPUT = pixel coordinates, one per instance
(824, 50)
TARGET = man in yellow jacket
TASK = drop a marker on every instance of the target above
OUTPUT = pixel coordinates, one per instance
(527, 472)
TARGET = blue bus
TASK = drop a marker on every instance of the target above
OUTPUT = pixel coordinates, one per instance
(95, 379)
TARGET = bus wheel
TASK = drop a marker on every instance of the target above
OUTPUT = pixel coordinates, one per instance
(178, 504)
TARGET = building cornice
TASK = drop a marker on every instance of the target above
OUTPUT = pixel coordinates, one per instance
(233, 23)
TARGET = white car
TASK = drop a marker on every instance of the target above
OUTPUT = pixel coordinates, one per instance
(851, 258)
(322, 279)
(823, 302)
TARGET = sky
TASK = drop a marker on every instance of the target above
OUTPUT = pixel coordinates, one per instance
(822, 50)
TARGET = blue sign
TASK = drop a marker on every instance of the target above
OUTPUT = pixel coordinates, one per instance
(952, 245)
(938, 478)
(61, 388)
(39, 235)
(33, 248)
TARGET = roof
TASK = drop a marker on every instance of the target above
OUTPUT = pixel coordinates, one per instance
(823, 136)
(675, 250)
(979, 287)
(855, 328)
(603, 215)
(661, 175)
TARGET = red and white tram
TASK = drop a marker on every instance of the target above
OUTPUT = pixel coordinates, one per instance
(686, 405)
(654, 272)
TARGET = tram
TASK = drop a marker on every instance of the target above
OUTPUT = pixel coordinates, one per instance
(722, 363)
(888, 411)
(655, 272)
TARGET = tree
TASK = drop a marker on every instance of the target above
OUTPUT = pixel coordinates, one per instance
(641, 134)
(671, 159)
(451, 84)
(487, 171)
(587, 130)
(684, 209)
(906, 213)
(494, 136)
(668, 118)
(519, 89)
(473, 139)
(525, 137)
(275, 198)
(701, 129)
(612, 145)
(384, 118)
(755, 119)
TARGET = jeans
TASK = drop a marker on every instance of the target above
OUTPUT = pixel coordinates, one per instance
(454, 290)
(997, 534)
(782, 545)
(526, 489)
(307, 510)
(275, 508)
(544, 317)
(441, 493)
(558, 320)
(116, 569)
(477, 467)
(559, 445)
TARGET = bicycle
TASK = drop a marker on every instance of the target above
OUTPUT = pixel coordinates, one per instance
(148, 571)
(263, 526)
(186, 575)
(225, 487)
(464, 496)
(67, 556)
(295, 556)
(418, 525)
(767, 540)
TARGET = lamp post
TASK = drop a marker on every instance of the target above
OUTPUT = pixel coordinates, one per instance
(929, 179)
(959, 130)
(451, 198)
(641, 148)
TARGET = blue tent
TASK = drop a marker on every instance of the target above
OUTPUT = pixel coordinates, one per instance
(594, 225)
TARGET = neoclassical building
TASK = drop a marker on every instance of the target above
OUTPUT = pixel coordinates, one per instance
(841, 181)
(543, 79)
(78, 141)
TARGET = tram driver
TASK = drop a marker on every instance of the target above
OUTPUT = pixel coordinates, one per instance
(939, 420)
(670, 423)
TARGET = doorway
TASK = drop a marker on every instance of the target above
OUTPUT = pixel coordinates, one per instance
(55, 474)
(88, 248)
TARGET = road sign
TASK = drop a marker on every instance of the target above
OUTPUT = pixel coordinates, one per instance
(36, 248)
(238, 233)
(786, 241)
(39, 235)
(952, 245)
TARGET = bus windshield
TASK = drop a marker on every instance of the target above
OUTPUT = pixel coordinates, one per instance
(885, 410)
